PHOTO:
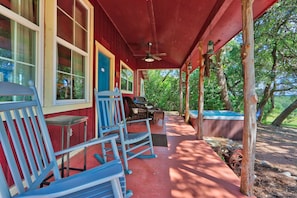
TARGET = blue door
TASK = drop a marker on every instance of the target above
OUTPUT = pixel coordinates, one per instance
(103, 72)
(103, 75)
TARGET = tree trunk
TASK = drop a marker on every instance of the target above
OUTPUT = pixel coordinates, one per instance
(167, 74)
(278, 121)
(222, 82)
(270, 87)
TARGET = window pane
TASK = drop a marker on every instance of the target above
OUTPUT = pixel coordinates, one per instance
(24, 74)
(66, 6)
(28, 9)
(124, 73)
(130, 86)
(80, 38)
(78, 64)
(64, 59)
(129, 75)
(63, 86)
(65, 27)
(17, 52)
(71, 74)
(5, 37)
(78, 88)
(6, 70)
(81, 15)
(25, 44)
(123, 84)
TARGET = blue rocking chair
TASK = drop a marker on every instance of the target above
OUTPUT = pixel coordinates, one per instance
(111, 119)
(30, 158)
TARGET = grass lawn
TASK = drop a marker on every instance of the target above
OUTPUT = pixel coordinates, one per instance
(290, 122)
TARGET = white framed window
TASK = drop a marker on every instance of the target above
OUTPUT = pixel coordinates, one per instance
(127, 78)
(21, 42)
(73, 51)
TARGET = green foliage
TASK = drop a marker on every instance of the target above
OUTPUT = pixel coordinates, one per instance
(162, 86)
(275, 68)
(232, 65)
(211, 92)
(162, 89)
(231, 61)
(276, 54)
(276, 30)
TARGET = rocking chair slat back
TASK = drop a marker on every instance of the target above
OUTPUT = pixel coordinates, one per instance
(111, 119)
(30, 157)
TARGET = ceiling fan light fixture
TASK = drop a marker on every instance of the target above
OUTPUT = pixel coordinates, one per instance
(149, 59)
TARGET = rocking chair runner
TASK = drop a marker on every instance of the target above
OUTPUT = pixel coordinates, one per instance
(111, 119)
(30, 156)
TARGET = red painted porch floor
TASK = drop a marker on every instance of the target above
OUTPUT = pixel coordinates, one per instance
(186, 168)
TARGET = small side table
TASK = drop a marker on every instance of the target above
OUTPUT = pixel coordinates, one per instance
(66, 121)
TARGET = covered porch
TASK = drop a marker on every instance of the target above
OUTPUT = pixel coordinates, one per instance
(186, 168)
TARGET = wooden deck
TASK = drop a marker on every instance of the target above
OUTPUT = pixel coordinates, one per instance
(186, 168)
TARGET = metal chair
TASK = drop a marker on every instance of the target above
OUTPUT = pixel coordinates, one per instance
(111, 119)
(30, 156)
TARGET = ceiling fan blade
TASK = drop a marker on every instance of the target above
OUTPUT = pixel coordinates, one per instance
(149, 57)
(161, 54)
(156, 57)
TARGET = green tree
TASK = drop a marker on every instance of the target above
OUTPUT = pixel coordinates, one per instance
(229, 61)
(162, 89)
(276, 54)
(275, 65)
(231, 64)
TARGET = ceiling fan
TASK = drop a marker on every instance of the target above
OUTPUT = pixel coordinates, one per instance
(152, 57)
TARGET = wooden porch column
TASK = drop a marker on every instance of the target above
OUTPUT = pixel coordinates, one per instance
(250, 100)
(180, 92)
(187, 115)
(199, 119)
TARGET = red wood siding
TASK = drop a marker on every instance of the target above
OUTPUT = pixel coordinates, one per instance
(78, 130)
(107, 35)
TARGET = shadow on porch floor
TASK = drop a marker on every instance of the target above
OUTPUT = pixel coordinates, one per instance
(187, 168)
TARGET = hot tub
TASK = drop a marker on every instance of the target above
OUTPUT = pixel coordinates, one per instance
(220, 123)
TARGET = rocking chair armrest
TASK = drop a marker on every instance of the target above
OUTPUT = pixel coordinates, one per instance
(94, 141)
(140, 120)
(83, 184)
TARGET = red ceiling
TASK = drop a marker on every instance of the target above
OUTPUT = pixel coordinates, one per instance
(176, 26)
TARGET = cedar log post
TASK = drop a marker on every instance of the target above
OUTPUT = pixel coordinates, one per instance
(187, 115)
(200, 96)
(250, 100)
(180, 92)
